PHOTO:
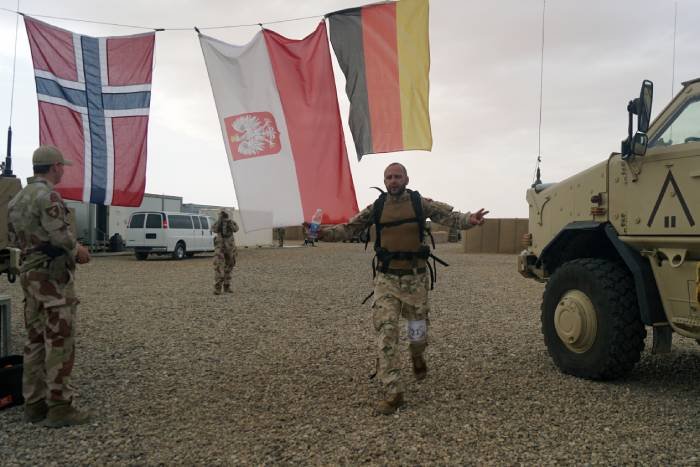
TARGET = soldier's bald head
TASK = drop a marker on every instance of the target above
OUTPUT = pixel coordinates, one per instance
(397, 164)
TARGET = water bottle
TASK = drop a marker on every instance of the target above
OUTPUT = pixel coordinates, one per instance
(315, 224)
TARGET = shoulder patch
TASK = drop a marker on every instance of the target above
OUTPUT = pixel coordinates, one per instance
(54, 197)
(53, 211)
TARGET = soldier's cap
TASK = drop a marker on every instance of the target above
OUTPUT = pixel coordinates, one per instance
(48, 155)
(223, 213)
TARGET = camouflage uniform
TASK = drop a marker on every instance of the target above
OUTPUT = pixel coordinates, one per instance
(280, 237)
(399, 295)
(224, 252)
(38, 221)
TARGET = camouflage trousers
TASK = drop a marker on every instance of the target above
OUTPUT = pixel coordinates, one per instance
(50, 306)
(224, 261)
(396, 297)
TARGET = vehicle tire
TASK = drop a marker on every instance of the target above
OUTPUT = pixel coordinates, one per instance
(180, 251)
(141, 255)
(590, 319)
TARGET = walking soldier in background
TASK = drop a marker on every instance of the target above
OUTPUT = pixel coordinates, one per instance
(38, 225)
(224, 252)
(402, 281)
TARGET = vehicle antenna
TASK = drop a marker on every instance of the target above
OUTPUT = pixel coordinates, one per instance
(7, 165)
(675, 30)
(539, 129)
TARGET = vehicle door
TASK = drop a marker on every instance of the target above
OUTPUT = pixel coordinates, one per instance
(135, 231)
(198, 241)
(181, 228)
(153, 232)
(207, 235)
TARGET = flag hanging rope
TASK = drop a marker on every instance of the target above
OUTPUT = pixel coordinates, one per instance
(189, 28)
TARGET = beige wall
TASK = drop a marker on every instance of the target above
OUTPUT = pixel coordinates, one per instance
(495, 236)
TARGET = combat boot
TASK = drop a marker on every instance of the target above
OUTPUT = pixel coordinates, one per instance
(391, 404)
(227, 289)
(65, 415)
(420, 369)
(35, 412)
(217, 290)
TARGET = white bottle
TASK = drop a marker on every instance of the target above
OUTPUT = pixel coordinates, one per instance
(315, 224)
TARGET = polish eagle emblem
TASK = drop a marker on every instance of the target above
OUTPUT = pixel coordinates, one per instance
(252, 134)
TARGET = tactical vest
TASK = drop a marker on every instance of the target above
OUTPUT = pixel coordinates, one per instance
(225, 228)
(400, 231)
(399, 238)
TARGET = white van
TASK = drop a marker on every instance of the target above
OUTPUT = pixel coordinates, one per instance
(178, 234)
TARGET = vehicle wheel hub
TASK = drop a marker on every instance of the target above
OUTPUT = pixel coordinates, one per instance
(575, 321)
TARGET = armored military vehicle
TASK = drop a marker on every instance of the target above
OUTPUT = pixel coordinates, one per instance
(618, 244)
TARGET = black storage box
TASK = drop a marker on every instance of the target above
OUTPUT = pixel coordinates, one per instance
(11, 381)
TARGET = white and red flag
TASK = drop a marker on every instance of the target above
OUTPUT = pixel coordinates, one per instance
(94, 95)
(278, 110)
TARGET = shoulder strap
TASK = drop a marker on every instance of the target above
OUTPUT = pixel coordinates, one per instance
(377, 209)
(416, 200)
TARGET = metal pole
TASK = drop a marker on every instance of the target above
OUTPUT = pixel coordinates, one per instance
(7, 171)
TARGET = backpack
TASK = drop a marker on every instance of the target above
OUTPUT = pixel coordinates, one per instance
(382, 257)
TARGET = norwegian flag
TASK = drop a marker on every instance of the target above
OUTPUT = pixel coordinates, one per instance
(94, 95)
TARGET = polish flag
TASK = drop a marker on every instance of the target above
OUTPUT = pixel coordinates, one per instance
(278, 109)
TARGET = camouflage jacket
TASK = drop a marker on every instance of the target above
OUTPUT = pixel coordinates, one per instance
(224, 227)
(436, 211)
(37, 218)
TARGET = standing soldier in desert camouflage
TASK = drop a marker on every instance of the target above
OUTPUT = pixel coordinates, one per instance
(39, 226)
(402, 281)
(224, 252)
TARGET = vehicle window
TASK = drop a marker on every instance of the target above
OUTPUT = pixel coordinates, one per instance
(205, 222)
(180, 222)
(137, 221)
(684, 128)
(197, 225)
(154, 221)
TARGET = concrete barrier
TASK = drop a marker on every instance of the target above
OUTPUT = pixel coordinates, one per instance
(495, 236)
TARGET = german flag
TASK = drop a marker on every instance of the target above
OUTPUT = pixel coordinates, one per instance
(384, 53)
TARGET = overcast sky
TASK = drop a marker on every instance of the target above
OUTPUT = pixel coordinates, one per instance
(484, 88)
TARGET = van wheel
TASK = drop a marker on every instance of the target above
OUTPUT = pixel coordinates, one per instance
(180, 251)
(590, 319)
(140, 255)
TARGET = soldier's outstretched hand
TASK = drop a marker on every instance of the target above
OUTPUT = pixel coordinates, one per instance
(478, 218)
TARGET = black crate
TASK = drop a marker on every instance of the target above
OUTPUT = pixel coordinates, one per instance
(11, 381)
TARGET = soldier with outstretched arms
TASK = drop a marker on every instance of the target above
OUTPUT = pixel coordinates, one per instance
(403, 275)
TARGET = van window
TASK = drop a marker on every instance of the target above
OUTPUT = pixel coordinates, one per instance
(180, 222)
(154, 221)
(136, 221)
(205, 222)
(197, 225)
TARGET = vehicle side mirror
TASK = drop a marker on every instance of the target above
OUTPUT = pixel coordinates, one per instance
(646, 96)
(641, 106)
(639, 144)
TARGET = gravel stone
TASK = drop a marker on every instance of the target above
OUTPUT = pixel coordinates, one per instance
(277, 373)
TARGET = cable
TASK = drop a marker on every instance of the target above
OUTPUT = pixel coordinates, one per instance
(189, 28)
(14, 67)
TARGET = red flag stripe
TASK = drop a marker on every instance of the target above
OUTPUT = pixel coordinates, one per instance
(304, 77)
(382, 75)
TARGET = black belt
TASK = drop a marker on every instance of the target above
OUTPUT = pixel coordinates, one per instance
(404, 272)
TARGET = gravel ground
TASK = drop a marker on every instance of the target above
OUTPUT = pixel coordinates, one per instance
(277, 373)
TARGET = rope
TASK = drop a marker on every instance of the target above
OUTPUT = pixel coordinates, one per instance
(189, 28)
